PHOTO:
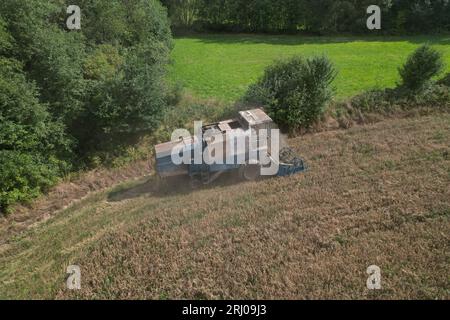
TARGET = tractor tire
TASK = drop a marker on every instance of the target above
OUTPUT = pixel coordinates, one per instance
(250, 172)
(195, 183)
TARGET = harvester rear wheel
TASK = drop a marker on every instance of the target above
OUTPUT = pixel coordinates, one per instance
(251, 172)
(195, 183)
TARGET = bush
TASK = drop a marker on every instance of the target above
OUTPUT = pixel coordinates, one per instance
(388, 101)
(295, 92)
(30, 142)
(175, 93)
(421, 66)
(445, 81)
(376, 100)
(24, 176)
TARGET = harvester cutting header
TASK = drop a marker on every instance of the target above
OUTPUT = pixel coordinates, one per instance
(249, 144)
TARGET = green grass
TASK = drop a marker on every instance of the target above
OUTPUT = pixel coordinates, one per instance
(222, 66)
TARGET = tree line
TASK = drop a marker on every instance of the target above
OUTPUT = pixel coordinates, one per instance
(309, 16)
(71, 98)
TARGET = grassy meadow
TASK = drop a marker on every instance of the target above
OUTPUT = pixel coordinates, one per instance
(222, 66)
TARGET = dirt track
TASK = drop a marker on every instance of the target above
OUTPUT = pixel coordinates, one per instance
(377, 194)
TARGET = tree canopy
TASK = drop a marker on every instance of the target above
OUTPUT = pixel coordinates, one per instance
(68, 94)
(315, 16)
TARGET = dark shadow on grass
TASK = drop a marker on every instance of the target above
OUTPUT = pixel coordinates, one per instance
(307, 39)
(168, 187)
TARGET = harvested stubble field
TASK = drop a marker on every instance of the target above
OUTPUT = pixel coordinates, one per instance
(376, 194)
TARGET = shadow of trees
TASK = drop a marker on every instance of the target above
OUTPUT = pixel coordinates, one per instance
(295, 40)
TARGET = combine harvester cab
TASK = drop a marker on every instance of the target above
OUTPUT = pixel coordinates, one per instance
(216, 135)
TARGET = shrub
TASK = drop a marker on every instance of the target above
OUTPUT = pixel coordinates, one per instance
(388, 101)
(445, 81)
(174, 93)
(436, 97)
(376, 100)
(24, 176)
(421, 66)
(30, 141)
(295, 91)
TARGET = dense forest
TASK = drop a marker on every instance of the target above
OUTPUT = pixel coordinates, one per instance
(67, 95)
(310, 16)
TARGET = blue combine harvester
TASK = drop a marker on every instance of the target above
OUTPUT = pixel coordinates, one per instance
(215, 135)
